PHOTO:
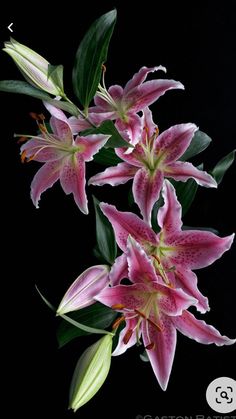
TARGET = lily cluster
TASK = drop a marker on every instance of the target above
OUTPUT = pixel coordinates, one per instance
(151, 286)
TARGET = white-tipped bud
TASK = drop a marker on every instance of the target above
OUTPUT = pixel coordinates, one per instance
(33, 67)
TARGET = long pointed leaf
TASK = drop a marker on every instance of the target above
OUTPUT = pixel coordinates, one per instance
(91, 54)
(106, 242)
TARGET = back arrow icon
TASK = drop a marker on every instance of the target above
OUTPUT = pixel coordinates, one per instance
(9, 27)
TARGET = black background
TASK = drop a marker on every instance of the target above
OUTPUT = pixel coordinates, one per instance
(51, 246)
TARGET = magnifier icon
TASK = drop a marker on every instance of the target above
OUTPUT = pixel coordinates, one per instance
(224, 395)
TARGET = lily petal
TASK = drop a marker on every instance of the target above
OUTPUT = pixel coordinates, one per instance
(38, 149)
(162, 355)
(56, 112)
(145, 94)
(173, 142)
(123, 296)
(173, 302)
(199, 330)
(141, 76)
(125, 224)
(146, 191)
(130, 129)
(121, 346)
(90, 145)
(140, 269)
(62, 130)
(83, 290)
(149, 128)
(116, 93)
(195, 249)
(114, 175)
(72, 179)
(183, 171)
(119, 270)
(44, 179)
(187, 280)
(169, 215)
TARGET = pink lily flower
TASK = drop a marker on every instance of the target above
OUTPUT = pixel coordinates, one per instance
(64, 158)
(124, 104)
(174, 253)
(154, 311)
(153, 158)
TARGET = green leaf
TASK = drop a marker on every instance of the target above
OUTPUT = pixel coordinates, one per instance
(155, 210)
(96, 316)
(185, 192)
(108, 128)
(106, 242)
(55, 73)
(24, 88)
(90, 56)
(199, 143)
(107, 157)
(222, 166)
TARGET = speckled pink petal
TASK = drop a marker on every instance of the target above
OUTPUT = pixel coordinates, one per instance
(114, 175)
(184, 171)
(116, 93)
(131, 129)
(196, 249)
(141, 76)
(169, 215)
(125, 224)
(199, 330)
(44, 179)
(131, 158)
(119, 270)
(164, 342)
(61, 130)
(56, 112)
(146, 191)
(148, 125)
(40, 150)
(173, 142)
(144, 95)
(187, 280)
(83, 290)
(172, 301)
(90, 145)
(140, 269)
(78, 124)
(121, 346)
(72, 179)
(123, 296)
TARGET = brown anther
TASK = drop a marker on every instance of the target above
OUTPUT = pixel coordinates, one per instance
(118, 306)
(150, 346)
(37, 117)
(23, 156)
(155, 257)
(156, 131)
(140, 314)
(104, 69)
(117, 322)
(42, 127)
(155, 325)
(31, 158)
(127, 336)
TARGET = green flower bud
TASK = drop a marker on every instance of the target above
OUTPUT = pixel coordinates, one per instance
(90, 372)
(33, 67)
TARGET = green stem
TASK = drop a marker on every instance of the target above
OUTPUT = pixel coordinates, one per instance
(81, 113)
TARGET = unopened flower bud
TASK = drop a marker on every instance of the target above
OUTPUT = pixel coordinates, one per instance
(91, 371)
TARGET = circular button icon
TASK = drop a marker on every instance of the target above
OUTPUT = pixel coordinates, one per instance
(221, 395)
